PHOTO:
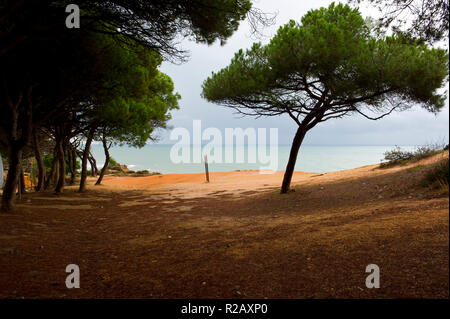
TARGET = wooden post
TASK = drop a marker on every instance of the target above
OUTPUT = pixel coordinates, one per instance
(206, 169)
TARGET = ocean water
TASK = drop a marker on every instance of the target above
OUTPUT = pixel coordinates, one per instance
(318, 159)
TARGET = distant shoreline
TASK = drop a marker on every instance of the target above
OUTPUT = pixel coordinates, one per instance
(320, 159)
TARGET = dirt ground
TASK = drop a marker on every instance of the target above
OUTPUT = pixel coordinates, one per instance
(175, 236)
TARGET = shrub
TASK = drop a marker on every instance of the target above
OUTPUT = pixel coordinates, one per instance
(48, 159)
(426, 151)
(112, 162)
(143, 172)
(438, 176)
(399, 157)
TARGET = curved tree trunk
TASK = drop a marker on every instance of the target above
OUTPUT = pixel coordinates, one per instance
(95, 170)
(91, 165)
(61, 166)
(93, 162)
(16, 143)
(84, 161)
(40, 162)
(9, 189)
(296, 143)
(105, 166)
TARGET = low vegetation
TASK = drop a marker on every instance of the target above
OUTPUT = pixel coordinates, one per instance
(438, 176)
(144, 173)
(112, 162)
(397, 156)
(115, 168)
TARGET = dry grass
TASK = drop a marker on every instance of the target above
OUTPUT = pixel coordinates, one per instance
(191, 240)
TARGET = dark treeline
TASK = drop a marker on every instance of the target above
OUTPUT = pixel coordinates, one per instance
(63, 88)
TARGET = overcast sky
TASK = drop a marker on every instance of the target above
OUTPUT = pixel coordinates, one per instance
(412, 127)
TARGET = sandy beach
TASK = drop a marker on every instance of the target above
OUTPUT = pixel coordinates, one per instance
(176, 236)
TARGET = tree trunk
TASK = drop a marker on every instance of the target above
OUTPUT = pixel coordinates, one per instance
(105, 166)
(69, 162)
(70, 166)
(93, 163)
(9, 189)
(56, 171)
(73, 165)
(297, 142)
(51, 174)
(84, 161)
(22, 188)
(40, 163)
(61, 166)
(16, 144)
(95, 170)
